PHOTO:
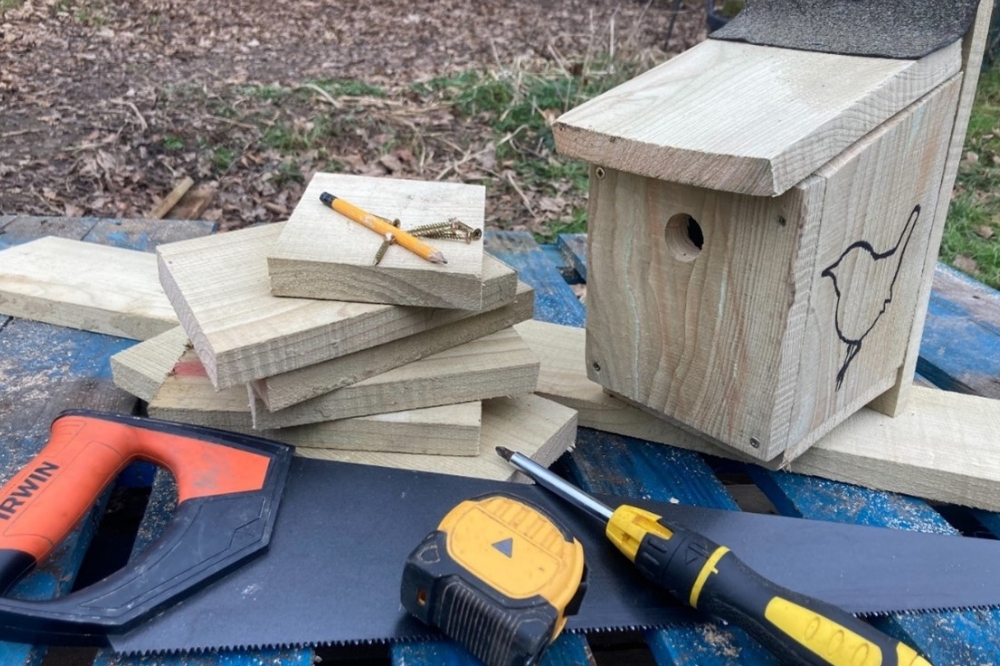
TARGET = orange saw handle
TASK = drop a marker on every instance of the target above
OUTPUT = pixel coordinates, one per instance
(220, 477)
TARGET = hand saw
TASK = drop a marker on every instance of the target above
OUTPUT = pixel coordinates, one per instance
(330, 559)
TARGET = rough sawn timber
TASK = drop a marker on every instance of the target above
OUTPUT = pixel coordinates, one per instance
(85, 286)
(143, 368)
(297, 386)
(495, 365)
(220, 288)
(539, 428)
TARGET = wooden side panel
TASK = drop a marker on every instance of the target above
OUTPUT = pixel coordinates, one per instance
(702, 336)
(878, 210)
(323, 254)
(745, 118)
(973, 46)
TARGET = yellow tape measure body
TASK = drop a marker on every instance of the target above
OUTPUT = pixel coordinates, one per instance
(498, 575)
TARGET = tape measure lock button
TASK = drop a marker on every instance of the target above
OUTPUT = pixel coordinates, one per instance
(499, 576)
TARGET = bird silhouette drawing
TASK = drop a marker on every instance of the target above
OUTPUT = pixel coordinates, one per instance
(862, 293)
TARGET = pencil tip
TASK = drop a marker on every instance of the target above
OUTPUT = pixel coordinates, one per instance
(438, 258)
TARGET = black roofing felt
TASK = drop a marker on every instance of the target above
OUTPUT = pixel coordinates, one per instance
(906, 29)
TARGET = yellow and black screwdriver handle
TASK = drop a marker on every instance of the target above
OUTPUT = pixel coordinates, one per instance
(798, 629)
(499, 576)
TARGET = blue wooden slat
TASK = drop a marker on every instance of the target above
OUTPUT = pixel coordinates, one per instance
(990, 521)
(567, 650)
(554, 300)
(960, 348)
(946, 638)
(714, 646)
(21, 229)
(574, 251)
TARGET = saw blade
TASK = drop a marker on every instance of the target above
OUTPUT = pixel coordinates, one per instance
(332, 572)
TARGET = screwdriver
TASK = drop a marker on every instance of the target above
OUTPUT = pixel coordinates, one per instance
(799, 630)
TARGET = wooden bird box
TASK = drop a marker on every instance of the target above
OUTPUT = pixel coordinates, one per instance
(763, 224)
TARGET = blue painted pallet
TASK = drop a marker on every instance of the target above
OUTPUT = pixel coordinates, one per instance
(601, 462)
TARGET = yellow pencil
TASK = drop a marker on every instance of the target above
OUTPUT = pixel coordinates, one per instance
(384, 228)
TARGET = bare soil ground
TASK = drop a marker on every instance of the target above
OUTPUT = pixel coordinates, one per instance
(105, 106)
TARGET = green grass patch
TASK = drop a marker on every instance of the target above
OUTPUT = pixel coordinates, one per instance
(348, 88)
(971, 240)
(223, 156)
(173, 143)
(8, 5)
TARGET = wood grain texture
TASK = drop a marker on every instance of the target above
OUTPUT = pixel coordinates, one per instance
(142, 368)
(297, 386)
(540, 429)
(495, 365)
(973, 47)
(878, 211)
(745, 118)
(323, 254)
(220, 288)
(84, 286)
(796, 310)
(942, 447)
(682, 332)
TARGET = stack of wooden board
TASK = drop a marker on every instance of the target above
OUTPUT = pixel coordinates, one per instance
(405, 382)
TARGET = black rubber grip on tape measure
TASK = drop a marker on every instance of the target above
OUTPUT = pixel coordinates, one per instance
(495, 629)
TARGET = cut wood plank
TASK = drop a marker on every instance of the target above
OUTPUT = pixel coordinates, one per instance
(169, 201)
(541, 429)
(323, 254)
(220, 289)
(794, 111)
(297, 386)
(448, 430)
(973, 47)
(85, 286)
(943, 447)
(142, 368)
(499, 364)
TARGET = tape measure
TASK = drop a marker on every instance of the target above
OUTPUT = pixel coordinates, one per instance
(499, 576)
